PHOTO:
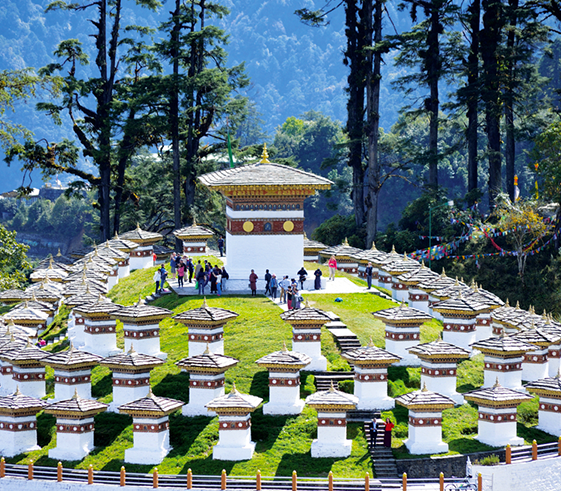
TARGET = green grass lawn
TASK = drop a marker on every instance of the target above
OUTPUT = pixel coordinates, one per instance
(283, 443)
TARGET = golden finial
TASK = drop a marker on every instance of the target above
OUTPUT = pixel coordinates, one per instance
(284, 348)
(518, 305)
(503, 333)
(76, 397)
(307, 304)
(443, 274)
(374, 246)
(207, 350)
(423, 264)
(393, 249)
(264, 155)
(17, 392)
(346, 242)
(497, 384)
(71, 349)
(424, 389)
(405, 255)
(131, 350)
(234, 389)
(58, 253)
(204, 305)
(137, 226)
(457, 282)
(194, 222)
(150, 393)
(370, 343)
(507, 303)
(332, 387)
(305, 236)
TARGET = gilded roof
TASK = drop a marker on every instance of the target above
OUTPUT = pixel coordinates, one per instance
(425, 399)
(208, 361)
(332, 399)
(151, 404)
(235, 400)
(263, 174)
(438, 349)
(206, 314)
(496, 395)
(402, 313)
(131, 359)
(71, 357)
(17, 400)
(370, 354)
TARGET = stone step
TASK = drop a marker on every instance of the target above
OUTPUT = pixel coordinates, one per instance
(382, 457)
(335, 324)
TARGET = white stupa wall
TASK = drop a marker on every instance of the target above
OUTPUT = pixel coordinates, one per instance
(7, 383)
(141, 257)
(234, 444)
(149, 446)
(553, 359)
(433, 313)
(201, 393)
(399, 340)
(549, 415)
(385, 280)
(124, 392)
(124, 269)
(483, 327)
(198, 339)
(508, 372)
(75, 445)
(459, 332)
(425, 436)
(371, 388)
(400, 291)
(332, 439)
(144, 338)
(100, 337)
(18, 435)
(498, 432)
(535, 365)
(195, 248)
(66, 382)
(441, 378)
(311, 348)
(284, 399)
(113, 279)
(31, 381)
(418, 299)
(279, 253)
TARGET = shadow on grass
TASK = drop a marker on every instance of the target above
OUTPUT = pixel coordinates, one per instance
(103, 387)
(532, 433)
(462, 389)
(260, 385)
(184, 433)
(304, 465)
(108, 426)
(266, 429)
(173, 384)
(468, 445)
(45, 429)
(209, 466)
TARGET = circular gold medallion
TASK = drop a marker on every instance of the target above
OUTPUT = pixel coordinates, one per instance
(248, 226)
(288, 226)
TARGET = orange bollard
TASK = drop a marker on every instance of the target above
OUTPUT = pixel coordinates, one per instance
(123, 476)
(442, 481)
(30, 470)
(59, 472)
(367, 482)
(2, 467)
(330, 481)
(189, 479)
(534, 450)
(508, 454)
(294, 481)
(223, 480)
(155, 478)
(404, 481)
(90, 474)
(479, 482)
(258, 480)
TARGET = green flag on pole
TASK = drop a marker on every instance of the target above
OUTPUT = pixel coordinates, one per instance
(230, 152)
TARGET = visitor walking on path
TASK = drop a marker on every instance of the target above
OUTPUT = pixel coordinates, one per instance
(221, 246)
(218, 277)
(225, 276)
(302, 274)
(332, 263)
(296, 298)
(201, 281)
(198, 267)
(157, 279)
(283, 285)
(180, 274)
(164, 275)
(172, 265)
(368, 271)
(191, 268)
(289, 297)
(373, 432)
(317, 281)
(253, 283)
(267, 282)
(212, 278)
(388, 433)
(273, 286)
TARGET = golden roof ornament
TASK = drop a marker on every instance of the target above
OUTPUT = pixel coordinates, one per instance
(207, 350)
(346, 242)
(393, 248)
(150, 393)
(518, 305)
(17, 392)
(116, 235)
(424, 389)
(332, 387)
(284, 348)
(307, 304)
(373, 248)
(457, 282)
(194, 222)
(507, 303)
(443, 274)
(137, 226)
(370, 343)
(204, 305)
(423, 264)
(234, 389)
(58, 253)
(76, 397)
(131, 350)
(305, 236)
(264, 155)
(497, 384)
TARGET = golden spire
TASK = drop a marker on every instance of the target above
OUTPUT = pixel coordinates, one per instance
(194, 222)
(204, 305)
(17, 392)
(518, 305)
(332, 388)
(497, 384)
(284, 348)
(234, 389)
(374, 246)
(131, 350)
(424, 389)
(207, 350)
(307, 304)
(150, 393)
(507, 303)
(423, 264)
(76, 397)
(393, 249)
(346, 242)
(58, 253)
(264, 155)
(443, 274)
(137, 226)
(370, 343)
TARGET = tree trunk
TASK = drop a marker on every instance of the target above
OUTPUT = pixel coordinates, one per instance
(473, 95)
(490, 38)
(355, 105)
(510, 143)
(373, 121)
(433, 65)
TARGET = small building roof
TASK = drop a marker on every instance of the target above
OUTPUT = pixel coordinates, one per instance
(140, 236)
(131, 360)
(23, 355)
(538, 336)
(547, 387)
(234, 403)
(425, 400)
(439, 350)
(370, 355)
(401, 266)
(12, 296)
(343, 250)
(284, 360)
(76, 407)
(373, 256)
(402, 315)
(26, 314)
(49, 273)
(98, 308)
(120, 244)
(84, 298)
(313, 244)
(496, 396)
(503, 344)
(433, 284)
(332, 400)
(205, 315)
(461, 305)
(84, 286)
(142, 312)
(418, 275)
(71, 359)
(19, 404)
(193, 232)
(307, 315)
(151, 406)
(207, 362)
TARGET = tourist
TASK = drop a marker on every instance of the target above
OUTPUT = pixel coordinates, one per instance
(154, 259)
(388, 433)
(207, 266)
(267, 282)
(283, 285)
(191, 268)
(198, 268)
(157, 279)
(163, 274)
(368, 272)
(180, 274)
(172, 265)
(212, 277)
(221, 246)
(201, 280)
(224, 276)
(296, 298)
(273, 286)
(317, 281)
(253, 283)
(332, 263)
(302, 275)
(289, 297)
(218, 280)
(373, 432)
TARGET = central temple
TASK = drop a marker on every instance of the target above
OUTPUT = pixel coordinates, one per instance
(264, 216)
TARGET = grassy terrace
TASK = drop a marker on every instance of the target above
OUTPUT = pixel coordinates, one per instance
(283, 443)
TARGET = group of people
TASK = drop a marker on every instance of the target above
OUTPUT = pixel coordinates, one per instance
(208, 274)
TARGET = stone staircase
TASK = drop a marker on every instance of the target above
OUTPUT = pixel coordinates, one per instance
(345, 338)
(383, 460)
(323, 380)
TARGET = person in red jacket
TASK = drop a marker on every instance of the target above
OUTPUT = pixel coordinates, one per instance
(332, 263)
(253, 283)
(388, 433)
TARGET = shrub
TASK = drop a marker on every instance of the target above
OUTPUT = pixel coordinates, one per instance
(489, 460)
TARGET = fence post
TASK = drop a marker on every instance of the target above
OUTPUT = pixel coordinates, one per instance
(367, 482)
(258, 480)
(404, 481)
(508, 454)
(534, 450)
(330, 481)
(223, 480)
(294, 481)
(59, 472)
(479, 482)
(155, 478)
(189, 479)
(3, 467)
(123, 476)
(30, 470)
(442, 481)
(90, 474)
